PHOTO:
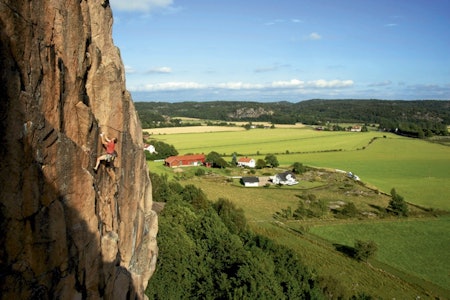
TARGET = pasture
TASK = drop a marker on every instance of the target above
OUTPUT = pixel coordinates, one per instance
(263, 141)
(410, 249)
(416, 247)
(420, 238)
(417, 169)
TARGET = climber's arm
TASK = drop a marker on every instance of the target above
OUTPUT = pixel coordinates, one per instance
(105, 139)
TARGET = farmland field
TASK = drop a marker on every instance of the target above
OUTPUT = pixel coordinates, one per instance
(404, 245)
(263, 141)
(413, 253)
(260, 204)
(417, 169)
(191, 129)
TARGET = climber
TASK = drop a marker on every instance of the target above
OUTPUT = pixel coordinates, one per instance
(111, 154)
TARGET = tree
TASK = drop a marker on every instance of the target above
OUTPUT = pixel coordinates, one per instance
(163, 190)
(231, 216)
(398, 205)
(200, 172)
(298, 168)
(216, 160)
(234, 159)
(271, 160)
(195, 196)
(365, 250)
(260, 163)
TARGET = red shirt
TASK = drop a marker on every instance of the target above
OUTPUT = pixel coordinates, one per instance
(110, 147)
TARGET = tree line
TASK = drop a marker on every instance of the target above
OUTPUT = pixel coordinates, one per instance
(420, 118)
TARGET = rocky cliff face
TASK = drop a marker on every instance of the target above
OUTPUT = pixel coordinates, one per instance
(67, 232)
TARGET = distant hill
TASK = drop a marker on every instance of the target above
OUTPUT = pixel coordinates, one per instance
(431, 115)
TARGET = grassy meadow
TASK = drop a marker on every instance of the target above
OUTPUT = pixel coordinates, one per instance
(405, 245)
(263, 141)
(417, 169)
(412, 258)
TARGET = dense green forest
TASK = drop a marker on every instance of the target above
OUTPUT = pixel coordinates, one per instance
(421, 118)
(206, 251)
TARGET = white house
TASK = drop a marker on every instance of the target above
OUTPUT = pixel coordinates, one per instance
(246, 162)
(285, 178)
(150, 148)
(250, 181)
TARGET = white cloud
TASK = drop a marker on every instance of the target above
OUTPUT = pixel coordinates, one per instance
(330, 84)
(170, 86)
(266, 69)
(381, 83)
(390, 25)
(273, 22)
(238, 86)
(129, 70)
(278, 21)
(314, 36)
(160, 70)
(293, 83)
(140, 5)
(235, 86)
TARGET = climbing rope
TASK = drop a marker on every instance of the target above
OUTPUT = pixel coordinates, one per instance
(111, 128)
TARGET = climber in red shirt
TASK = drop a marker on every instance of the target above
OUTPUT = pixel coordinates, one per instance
(110, 145)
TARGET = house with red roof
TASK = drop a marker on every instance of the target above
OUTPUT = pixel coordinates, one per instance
(246, 162)
(185, 160)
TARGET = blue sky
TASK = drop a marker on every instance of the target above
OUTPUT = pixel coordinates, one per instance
(276, 50)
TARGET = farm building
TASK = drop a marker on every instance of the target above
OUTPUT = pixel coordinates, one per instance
(355, 128)
(285, 178)
(246, 162)
(185, 161)
(150, 148)
(250, 181)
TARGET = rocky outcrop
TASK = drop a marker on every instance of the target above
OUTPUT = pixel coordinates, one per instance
(67, 232)
(243, 113)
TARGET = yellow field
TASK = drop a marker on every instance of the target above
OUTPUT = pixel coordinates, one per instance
(191, 129)
(204, 128)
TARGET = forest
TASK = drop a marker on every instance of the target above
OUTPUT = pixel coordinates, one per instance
(420, 118)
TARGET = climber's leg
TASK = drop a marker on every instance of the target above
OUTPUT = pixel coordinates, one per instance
(100, 158)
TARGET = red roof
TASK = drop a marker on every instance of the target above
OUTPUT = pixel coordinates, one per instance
(245, 159)
(185, 159)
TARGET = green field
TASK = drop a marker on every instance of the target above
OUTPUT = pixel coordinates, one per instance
(416, 247)
(412, 259)
(417, 169)
(265, 141)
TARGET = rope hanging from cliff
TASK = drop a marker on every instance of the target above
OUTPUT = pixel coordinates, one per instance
(111, 128)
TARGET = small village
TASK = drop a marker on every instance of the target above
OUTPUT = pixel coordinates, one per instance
(196, 160)
(280, 178)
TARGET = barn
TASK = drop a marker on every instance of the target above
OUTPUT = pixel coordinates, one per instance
(185, 160)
